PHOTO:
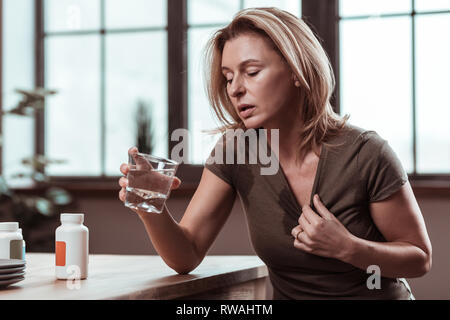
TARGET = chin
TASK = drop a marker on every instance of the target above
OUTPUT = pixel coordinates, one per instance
(253, 123)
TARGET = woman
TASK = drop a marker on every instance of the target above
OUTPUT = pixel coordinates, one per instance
(267, 70)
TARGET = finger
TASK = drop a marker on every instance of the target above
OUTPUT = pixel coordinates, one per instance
(124, 168)
(122, 194)
(302, 243)
(303, 247)
(305, 225)
(302, 220)
(139, 159)
(296, 230)
(305, 208)
(312, 217)
(304, 238)
(175, 183)
(133, 150)
(123, 182)
(321, 209)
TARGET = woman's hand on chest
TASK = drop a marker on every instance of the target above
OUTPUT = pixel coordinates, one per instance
(321, 233)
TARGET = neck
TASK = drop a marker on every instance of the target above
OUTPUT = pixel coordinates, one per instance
(288, 143)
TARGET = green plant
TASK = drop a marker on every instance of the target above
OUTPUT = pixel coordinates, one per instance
(42, 203)
(144, 128)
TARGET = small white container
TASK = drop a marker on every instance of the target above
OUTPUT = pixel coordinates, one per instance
(10, 241)
(72, 247)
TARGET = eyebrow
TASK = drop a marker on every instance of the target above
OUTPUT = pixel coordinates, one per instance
(242, 64)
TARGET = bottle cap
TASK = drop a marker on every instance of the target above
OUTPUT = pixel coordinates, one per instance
(72, 217)
(9, 226)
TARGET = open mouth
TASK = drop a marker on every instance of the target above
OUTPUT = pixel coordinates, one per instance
(246, 111)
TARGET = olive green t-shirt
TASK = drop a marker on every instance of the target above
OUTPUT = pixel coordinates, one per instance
(359, 169)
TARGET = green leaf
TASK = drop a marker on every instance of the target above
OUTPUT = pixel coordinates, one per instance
(43, 206)
(58, 196)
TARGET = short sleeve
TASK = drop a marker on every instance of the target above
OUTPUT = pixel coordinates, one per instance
(380, 170)
(217, 163)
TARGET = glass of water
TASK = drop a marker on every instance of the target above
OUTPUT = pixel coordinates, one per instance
(149, 182)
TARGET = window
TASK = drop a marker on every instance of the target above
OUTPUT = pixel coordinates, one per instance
(113, 66)
(432, 67)
(104, 64)
(393, 76)
(17, 72)
(205, 17)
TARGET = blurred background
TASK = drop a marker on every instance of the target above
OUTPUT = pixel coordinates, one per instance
(83, 80)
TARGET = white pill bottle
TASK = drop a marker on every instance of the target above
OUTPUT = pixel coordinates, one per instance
(10, 241)
(72, 247)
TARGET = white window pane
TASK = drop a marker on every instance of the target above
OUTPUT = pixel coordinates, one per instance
(207, 11)
(432, 87)
(432, 5)
(201, 115)
(71, 15)
(136, 71)
(292, 6)
(18, 144)
(373, 7)
(72, 122)
(17, 72)
(135, 13)
(375, 77)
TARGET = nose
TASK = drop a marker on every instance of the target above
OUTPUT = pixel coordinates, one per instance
(236, 88)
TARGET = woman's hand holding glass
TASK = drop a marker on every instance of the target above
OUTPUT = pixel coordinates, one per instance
(143, 176)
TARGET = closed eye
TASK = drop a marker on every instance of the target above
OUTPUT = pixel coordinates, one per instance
(251, 74)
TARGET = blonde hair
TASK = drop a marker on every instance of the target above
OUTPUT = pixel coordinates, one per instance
(296, 43)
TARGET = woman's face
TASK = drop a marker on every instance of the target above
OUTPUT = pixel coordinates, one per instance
(259, 82)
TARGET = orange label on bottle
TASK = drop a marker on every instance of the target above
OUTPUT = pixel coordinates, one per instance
(60, 253)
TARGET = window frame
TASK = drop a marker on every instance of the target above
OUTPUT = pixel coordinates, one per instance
(40, 36)
(1, 86)
(419, 180)
(322, 16)
(177, 98)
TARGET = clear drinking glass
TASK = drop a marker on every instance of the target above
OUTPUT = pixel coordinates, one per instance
(149, 182)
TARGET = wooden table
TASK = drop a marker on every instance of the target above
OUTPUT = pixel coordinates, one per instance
(142, 277)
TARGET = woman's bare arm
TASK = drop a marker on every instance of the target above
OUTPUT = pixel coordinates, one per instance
(184, 245)
(208, 211)
(407, 252)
